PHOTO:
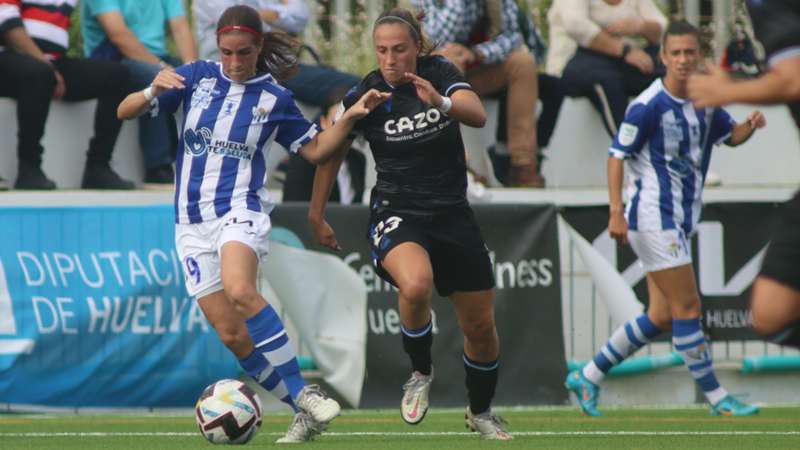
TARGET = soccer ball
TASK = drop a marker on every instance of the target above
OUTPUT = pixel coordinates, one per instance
(228, 412)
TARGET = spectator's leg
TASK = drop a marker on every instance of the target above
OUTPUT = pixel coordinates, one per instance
(156, 134)
(30, 82)
(320, 85)
(551, 94)
(107, 81)
(518, 73)
(599, 78)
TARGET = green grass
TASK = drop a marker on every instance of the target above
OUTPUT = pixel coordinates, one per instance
(774, 428)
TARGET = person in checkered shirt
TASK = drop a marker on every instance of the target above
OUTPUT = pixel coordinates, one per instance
(484, 39)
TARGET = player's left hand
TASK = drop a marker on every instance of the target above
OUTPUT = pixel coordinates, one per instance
(367, 103)
(425, 90)
(756, 120)
(709, 89)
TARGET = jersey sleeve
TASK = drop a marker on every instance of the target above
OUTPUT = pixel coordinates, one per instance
(448, 78)
(169, 101)
(776, 24)
(632, 133)
(294, 130)
(721, 126)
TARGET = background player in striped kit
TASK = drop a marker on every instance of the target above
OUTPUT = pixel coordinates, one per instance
(422, 231)
(233, 111)
(776, 292)
(667, 144)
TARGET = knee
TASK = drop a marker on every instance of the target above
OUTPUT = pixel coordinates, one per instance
(661, 319)
(520, 63)
(40, 75)
(417, 290)
(479, 331)
(688, 308)
(242, 294)
(764, 322)
(234, 338)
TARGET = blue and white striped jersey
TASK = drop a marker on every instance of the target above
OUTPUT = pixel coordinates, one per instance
(227, 130)
(667, 144)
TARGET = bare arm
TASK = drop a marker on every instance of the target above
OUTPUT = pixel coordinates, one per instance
(324, 178)
(19, 40)
(183, 38)
(780, 84)
(326, 143)
(466, 106)
(617, 226)
(651, 31)
(123, 38)
(743, 131)
(136, 104)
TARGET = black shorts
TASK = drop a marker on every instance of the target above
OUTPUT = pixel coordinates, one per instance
(782, 262)
(459, 257)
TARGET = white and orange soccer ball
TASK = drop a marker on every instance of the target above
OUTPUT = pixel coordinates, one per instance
(228, 412)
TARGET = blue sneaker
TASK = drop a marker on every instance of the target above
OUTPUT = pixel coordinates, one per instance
(729, 406)
(586, 391)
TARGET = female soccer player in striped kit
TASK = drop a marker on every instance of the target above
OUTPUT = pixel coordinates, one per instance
(233, 111)
(422, 231)
(666, 143)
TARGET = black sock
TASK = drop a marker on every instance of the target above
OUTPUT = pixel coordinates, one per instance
(789, 336)
(417, 343)
(481, 381)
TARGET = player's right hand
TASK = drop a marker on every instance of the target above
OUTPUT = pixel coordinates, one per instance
(618, 227)
(165, 80)
(324, 234)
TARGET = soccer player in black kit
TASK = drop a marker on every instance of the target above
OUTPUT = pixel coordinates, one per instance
(775, 302)
(422, 231)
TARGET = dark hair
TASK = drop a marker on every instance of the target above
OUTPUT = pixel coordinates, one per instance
(278, 50)
(680, 28)
(404, 17)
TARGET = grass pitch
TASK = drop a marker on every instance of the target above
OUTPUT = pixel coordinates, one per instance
(557, 428)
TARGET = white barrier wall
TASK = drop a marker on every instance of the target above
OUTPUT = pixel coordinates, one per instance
(576, 157)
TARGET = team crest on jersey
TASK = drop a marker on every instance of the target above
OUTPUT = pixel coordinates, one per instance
(195, 142)
(260, 114)
(229, 106)
(201, 98)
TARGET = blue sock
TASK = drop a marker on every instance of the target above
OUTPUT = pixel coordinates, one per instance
(271, 341)
(258, 367)
(689, 340)
(625, 341)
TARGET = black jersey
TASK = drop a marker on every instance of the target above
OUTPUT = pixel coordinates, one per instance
(777, 26)
(418, 150)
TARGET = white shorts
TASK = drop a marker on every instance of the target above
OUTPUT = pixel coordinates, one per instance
(661, 249)
(199, 246)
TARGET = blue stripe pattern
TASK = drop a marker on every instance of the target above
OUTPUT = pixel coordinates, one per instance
(632, 336)
(688, 181)
(633, 217)
(659, 161)
(198, 169)
(266, 325)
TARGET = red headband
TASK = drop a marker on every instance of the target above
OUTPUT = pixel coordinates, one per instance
(239, 28)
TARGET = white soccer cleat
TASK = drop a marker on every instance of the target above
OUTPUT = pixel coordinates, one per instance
(319, 406)
(489, 425)
(302, 429)
(414, 405)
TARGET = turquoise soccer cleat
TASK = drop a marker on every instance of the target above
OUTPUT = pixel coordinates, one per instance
(729, 406)
(586, 391)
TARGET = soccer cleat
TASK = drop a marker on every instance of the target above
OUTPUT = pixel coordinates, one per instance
(586, 391)
(414, 405)
(729, 406)
(489, 425)
(302, 429)
(319, 406)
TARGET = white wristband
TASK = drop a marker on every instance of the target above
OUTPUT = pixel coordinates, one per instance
(148, 93)
(446, 105)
